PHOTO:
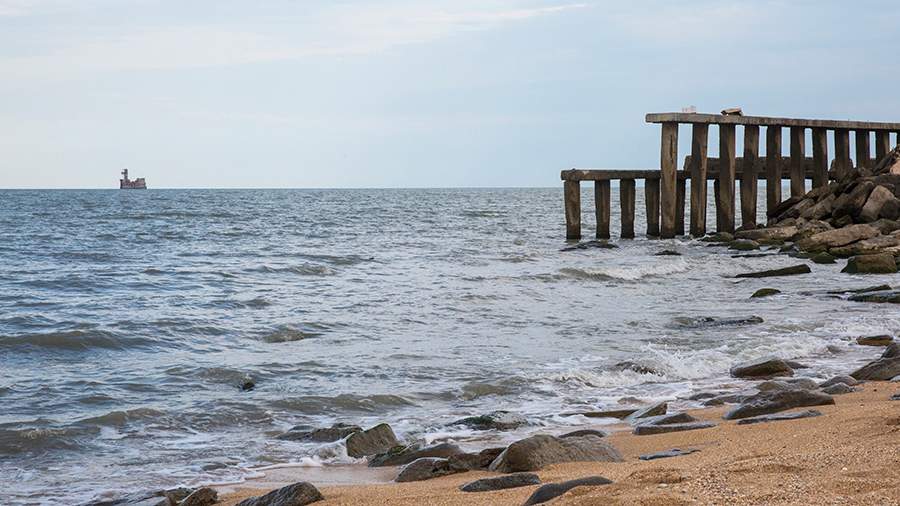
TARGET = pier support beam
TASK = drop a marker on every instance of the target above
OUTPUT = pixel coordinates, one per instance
(681, 185)
(842, 163)
(882, 144)
(773, 167)
(725, 202)
(572, 194)
(749, 175)
(668, 177)
(798, 154)
(651, 203)
(601, 208)
(699, 138)
(820, 157)
(626, 203)
(863, 151)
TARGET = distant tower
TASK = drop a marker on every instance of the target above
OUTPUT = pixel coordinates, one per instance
(127, 184)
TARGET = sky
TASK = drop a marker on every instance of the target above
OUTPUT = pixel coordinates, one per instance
(410, 93)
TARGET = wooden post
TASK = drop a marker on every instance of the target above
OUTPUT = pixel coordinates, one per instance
(798, 155)
(749, 175)
(726, 178)
(651, 202)
(863, 152)
(842, 164)
(820, 157)
(679, 207)
(668, 179)
(572, 191)
(699, 136)
(773, 167)
(626, 202)
(601, 208)
(717, 197)
(882, 144)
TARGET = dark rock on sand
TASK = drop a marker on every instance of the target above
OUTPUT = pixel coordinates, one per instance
(514, 480)
(610, 413)
(147, 498)
(331, 434)
(656, 409)
(297, 494)
(498, 420)
(735, 398)
(535, 452)
(878, 263)
(882, 340)
(882, 369)
(879, 297)
(786, 271)
(765, 292)
(838, 389)
(667, 419)
(780, 417)
(378, 439)
(201, 497)
(649, 429)
(425, 468)
(474, 461)
(847, 380)
(553, 490)
(787, 384)
(896, 397)
(892, 351)
(584, 432)
(767, 367)
(401, 455)
(765, 403)
(674, 452)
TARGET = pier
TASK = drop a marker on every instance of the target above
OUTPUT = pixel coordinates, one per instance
(665, 189)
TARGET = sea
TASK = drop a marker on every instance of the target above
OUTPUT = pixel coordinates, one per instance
(130, 320)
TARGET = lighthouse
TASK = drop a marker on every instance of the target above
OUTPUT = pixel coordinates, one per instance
(128, 184)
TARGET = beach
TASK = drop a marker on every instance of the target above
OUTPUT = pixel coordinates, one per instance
(848, 455)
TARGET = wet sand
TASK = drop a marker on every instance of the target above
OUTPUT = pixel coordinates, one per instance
(850, 455)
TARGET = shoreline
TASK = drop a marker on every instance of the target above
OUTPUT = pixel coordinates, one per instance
(846, 456)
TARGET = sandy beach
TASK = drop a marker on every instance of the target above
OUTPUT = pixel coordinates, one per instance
(847, 456)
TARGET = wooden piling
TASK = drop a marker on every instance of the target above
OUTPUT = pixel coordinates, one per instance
(882, 144)
(820, 157)
(726, 179)
(651, 204)
(572, 191)
(749, 175)
(699, 137)
(798, 153)
(667, 178)
(863, 151)
(841, 152)
(626, 203)
(679, 206)
(601, 208)
(717, 197)
(773, 167)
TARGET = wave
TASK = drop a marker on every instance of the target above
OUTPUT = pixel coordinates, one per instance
(341, 404)
(650, 270)
(307, 269)
(120, 418)
(75, 340)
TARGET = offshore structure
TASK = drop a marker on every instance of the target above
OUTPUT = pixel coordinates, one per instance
(128, 184)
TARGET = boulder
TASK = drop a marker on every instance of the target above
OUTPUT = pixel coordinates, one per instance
(610, 413)
(646, 430)
(378, 439)
(514, 480)
(787, 384)
(553, 490)
(871, 211)
(868, 289)
(656, 409)
(880, 263)
(425, 468)
(838, 237)
(822, 258)
(743, 245)
(851, 202)
(331, 434)
(774, 401)
(667, 253)
(879, 297)
(668, 419)
(847, 380)
(882, 369)
(768, 235)
(783, 207)
(674, 452)
(700, 322)
(718, 237)
(890, 210)
(474, 461)
(764, 292)
(820, 210)
(874, 340)
(766, 367)
(735, 398)
(629, 365)
(780, 417)
(877, 244)
(401, 455)
(498, 420)
(297, 494)
(535, 452)
(584, 432)
(785, 271)
(886, 226)
(838, 389)
(892, 351)
(201, 497)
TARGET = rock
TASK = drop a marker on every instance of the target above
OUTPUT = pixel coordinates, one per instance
(838, 237)
(718, 237)
(890, 210)
(331, 434)
(591, 244)
(764, 292)
(425, 468)
(610, 413)
(852, 202)
(793, 364)
(868, 289)
(743, 245)
(766, 367)
(378, 439)
(820, 210)
(711, 321)
(201, 497)
(656, 409)
(783, 207)
(646, 430)
(882, 369)
(874, 340)
(789, 384)
(554, 490)
(728, 399)
(674, 452)
(886, 226)
(474, 461)
(498, 420)
(402, 455)
(247, 385)
(880, 263)
(892, 351)
(702, 396)
(838, 389)
(879, 297)
(668, 419)
(770, 234)
(668, 252)
(297, 494)
(628, 365)
(847, 380)
(896, 397)
(765, 403)
(871, 211)
(535, 452)
(514, 480)
(877, 244)
(146, 498)
(785, 271)
(822, 258)
(780, 417)
(584, 432)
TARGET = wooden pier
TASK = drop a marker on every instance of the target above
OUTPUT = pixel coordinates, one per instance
(665, 189)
